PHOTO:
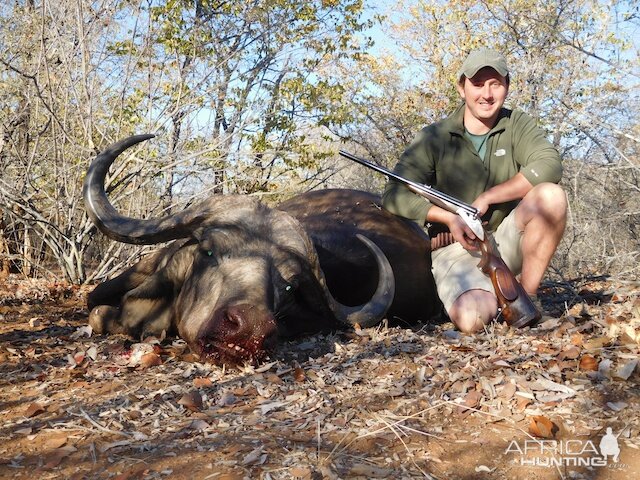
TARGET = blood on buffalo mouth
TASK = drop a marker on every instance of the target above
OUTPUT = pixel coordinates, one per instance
(221, 351)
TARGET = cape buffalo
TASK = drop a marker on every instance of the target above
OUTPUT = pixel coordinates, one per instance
(241, 274)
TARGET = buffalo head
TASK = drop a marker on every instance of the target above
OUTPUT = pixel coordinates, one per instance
(241, 275)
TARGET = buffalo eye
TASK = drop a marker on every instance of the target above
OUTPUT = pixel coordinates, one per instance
(209, 255)
(289, 290)
(285, 294)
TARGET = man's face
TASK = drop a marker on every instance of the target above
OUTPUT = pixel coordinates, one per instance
(484, 94)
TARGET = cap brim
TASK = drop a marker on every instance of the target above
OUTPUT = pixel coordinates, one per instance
(471, 72)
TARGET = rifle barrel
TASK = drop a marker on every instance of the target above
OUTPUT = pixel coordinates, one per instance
(437, 197)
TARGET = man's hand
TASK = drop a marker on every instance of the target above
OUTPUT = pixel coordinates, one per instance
(482, 203)
(462, 233)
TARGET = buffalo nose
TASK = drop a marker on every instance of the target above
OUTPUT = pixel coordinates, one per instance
(248, 324)
(232, 320)
(245, 324)
(237, 333)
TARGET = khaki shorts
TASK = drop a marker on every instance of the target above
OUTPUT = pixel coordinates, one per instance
(456, 271)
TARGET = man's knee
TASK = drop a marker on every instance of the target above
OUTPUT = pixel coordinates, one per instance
(546, 200)
(473, 310)
(549, 195)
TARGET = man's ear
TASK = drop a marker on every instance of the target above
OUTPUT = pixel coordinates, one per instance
(460, 87)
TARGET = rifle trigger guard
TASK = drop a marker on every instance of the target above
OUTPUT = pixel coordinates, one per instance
(473, 222)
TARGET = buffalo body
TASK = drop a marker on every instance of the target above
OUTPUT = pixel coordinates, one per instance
(240, 274)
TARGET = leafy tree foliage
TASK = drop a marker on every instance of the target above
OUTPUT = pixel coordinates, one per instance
(574, 66)
(228, 86)
(254, 97)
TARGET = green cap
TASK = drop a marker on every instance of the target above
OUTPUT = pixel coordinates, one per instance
(483, 57)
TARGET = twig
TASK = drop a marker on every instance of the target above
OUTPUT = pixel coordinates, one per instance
(386, 427)
(411, 456)
(318, 438)
(86, 416)
(433, 407)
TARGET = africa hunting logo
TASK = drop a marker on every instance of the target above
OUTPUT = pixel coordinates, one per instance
(569, 453)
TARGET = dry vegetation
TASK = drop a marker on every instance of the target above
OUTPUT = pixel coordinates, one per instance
(385, 402)
(255, 98)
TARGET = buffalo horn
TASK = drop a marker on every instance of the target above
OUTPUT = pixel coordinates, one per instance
(126, 229)
(373, 311)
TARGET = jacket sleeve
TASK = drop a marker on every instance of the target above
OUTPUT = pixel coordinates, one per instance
(416, 164)
(539, 160)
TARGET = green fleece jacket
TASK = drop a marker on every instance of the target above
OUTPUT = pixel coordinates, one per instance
(442, 157)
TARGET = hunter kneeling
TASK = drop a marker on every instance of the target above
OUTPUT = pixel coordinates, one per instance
(500, 162)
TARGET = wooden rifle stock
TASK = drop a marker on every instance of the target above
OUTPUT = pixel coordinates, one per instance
(517, 308)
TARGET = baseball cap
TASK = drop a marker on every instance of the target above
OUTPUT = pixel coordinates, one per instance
(483, 57)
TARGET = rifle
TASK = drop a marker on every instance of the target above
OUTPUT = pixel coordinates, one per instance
(514, 303)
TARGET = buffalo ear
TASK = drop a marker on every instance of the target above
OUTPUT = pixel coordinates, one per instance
(169, 276)
(105, 319)
(148, 308)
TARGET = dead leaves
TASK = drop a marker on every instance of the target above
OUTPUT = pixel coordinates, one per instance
(365, 404)
(625, 370)
(569, 353)
(200, 382)
(370, 471)
(596, 344)
(53, 459)
(470, 402)
(150, 359)
(34, 409)
(299, 375)
(588, 363)
(54, 440)
(542, 427)
(192, 401)
(507, 391)
(255, 457)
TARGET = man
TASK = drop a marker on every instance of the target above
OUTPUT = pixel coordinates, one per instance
(499, 161)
